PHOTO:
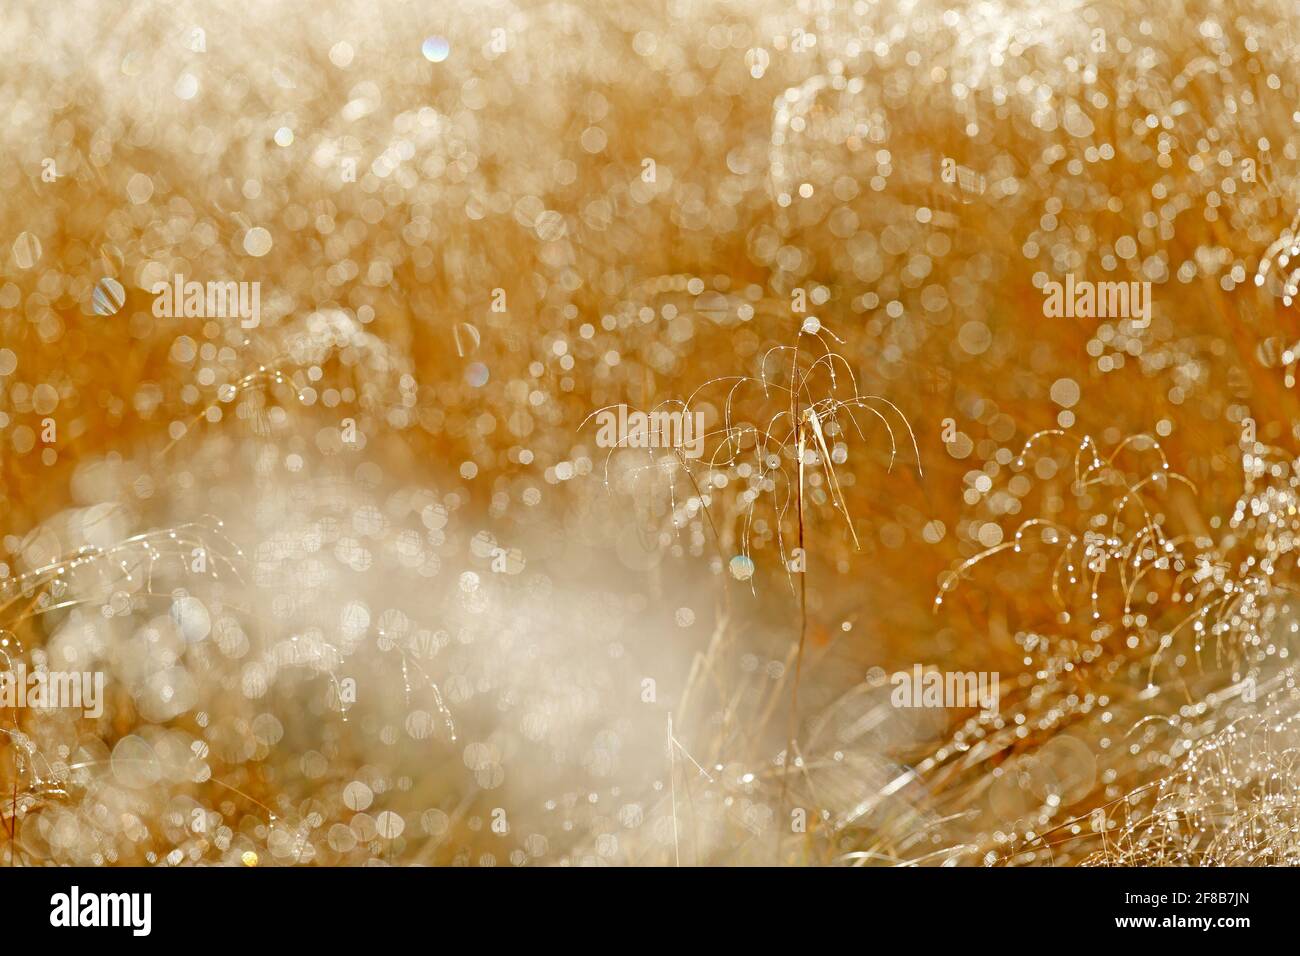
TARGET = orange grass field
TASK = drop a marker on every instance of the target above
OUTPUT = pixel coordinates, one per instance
(308, 315)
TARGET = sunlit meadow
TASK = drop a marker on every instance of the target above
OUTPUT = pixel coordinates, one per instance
(305, 313)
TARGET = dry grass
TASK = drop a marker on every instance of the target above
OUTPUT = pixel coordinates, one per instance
(498, 593)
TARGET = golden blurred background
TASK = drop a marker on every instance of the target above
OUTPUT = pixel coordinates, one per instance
(364, 585)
